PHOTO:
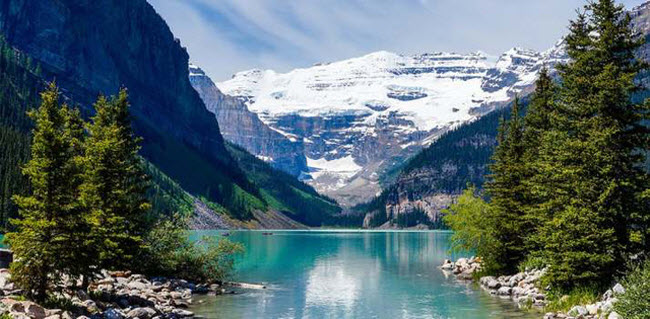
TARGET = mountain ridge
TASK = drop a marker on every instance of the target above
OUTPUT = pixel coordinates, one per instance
(96, 47)
(360, 118)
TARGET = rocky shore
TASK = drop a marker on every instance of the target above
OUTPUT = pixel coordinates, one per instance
(602, 309)
(115, 295)
(523, 288)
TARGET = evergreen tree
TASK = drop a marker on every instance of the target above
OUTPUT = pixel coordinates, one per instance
(537, 122)
(590, 159)
(115, 183)
(507, 193)
(43, 243)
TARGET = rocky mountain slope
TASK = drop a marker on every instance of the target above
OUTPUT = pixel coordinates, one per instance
(246, 129)
(429, 181)
(93, 47)
(356, 119)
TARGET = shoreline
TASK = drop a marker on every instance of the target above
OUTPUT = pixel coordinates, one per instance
(523, 290)
(328, 230)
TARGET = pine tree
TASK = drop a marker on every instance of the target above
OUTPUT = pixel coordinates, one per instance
(537, 123)
(43, 243)
(115, 183)
(591, 162)
(506, 192)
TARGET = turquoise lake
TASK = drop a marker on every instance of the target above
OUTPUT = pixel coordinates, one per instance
(343, 274)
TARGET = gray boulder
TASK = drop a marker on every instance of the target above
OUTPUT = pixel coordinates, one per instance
(618, 289)
(142, 313)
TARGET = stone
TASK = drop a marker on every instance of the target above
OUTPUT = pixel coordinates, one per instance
(175, 295)
(465, 275)
(578, 311)
(608, 305)
(82, 295)
(53, 312)
(614, 315)
(618, 289)
(504, 291)
(447, 265)
(112, 314)
(34, 311)
(19, 315)
(608, 294)
(592, 309)
(183, 313)
(106, 281)
(137, 285)
(90, 305)
(493, 284)
(13, 305)
(142, 313)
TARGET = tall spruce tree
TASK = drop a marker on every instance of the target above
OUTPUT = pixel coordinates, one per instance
(590, 159)
(506, 191)
(45, 241)
(115, 183)
(537, 122)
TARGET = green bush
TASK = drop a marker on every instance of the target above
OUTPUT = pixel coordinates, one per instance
(470, 219)
(168, 252)
(635, 302)
(532, 262)
(560, 301)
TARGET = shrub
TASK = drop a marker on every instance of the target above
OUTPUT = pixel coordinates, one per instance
(469, 218)
(635, 302)
(559, 301)
(532, 262)
(168, 252)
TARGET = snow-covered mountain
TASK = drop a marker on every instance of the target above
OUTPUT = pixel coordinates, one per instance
(357, 118)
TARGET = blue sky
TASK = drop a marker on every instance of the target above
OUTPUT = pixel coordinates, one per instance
(227, 36)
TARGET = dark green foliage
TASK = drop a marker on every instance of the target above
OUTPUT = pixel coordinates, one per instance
(416, 217)
(19, 87)
(635, 302)
(169, 252)
(167, 198)
(114, 183)
(508, 194)
(286, 194)
(377, 218)
(568, 186)
(591, 155)
(468, 147)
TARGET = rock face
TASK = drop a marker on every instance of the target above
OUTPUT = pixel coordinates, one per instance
(359, 118)
(97, 46)
(245, 129)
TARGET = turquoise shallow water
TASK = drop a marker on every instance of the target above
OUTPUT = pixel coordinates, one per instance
(339, 274)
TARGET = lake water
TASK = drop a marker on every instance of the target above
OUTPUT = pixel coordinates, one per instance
(341, 274)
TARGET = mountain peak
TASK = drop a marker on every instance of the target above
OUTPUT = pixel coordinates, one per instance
(369, 110)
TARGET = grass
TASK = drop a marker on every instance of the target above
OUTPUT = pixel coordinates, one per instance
(558, 301)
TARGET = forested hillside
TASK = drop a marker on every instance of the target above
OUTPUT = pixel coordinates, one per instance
(180, 137)
(19, 87)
